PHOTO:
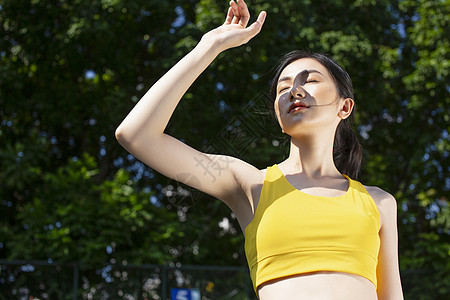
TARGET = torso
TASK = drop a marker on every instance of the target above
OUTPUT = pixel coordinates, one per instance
(323, 285)
(310, 285)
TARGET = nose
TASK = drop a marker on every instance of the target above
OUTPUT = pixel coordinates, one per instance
(296, 92)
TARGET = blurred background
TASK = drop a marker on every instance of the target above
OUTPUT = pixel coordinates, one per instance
(83, 219)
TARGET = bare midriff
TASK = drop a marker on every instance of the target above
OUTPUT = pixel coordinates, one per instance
(322, 285)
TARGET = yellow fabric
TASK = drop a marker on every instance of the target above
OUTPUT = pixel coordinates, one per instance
(293, 232)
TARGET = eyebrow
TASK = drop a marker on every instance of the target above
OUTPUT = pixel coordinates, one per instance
(285, 78)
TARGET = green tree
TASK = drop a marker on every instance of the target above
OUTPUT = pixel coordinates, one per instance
(70, 70)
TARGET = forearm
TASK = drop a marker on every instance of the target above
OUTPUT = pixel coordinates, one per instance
(152, 113)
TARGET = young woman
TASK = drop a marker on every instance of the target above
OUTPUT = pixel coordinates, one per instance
(311, 231)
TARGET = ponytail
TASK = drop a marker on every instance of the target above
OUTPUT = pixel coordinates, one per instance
(347, 150)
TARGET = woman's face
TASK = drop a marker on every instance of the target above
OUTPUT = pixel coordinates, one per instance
(307, 99)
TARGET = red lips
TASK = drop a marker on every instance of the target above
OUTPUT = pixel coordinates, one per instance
(296, 104)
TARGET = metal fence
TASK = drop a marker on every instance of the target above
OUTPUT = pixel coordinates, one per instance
(27, 280)
(44, 280)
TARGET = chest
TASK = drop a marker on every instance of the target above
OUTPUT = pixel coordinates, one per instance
(314, 221)
(298, 209)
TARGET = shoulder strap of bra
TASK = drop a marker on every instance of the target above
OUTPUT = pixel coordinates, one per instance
(358, 186)
(273, 173)
(361, 190)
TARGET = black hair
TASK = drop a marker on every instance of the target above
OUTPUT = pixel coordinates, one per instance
(347, 150)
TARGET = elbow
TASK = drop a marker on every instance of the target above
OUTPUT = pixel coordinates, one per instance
(121, 136)
(129, 137)
(118, 133)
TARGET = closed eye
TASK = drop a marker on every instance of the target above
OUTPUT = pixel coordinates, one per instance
(308, 81)
(312, 80)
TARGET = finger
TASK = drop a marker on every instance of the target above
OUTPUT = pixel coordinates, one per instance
(236, 13)
(244, 13)
(255, 28)
(262, 17)
(229, 17)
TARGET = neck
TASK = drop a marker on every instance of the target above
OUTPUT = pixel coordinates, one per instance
(312, 155)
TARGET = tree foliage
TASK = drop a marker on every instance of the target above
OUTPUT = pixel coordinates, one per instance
(70, 70)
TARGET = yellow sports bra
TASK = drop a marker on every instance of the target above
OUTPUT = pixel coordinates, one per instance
(293, 232)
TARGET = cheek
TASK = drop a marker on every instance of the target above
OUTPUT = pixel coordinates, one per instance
(281, 105)
(280, 102)
(326, 92)
(276, 107)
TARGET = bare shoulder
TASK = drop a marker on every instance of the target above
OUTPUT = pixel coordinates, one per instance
(248, 179)
(246, 174)
(386, 203)
(380, 196)
(237, 166)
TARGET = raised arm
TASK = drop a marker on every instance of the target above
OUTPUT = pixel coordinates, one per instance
(142, 131)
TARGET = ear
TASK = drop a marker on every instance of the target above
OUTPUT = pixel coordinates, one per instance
(346, 108)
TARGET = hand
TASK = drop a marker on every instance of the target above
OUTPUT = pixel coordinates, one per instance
(234, 31)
